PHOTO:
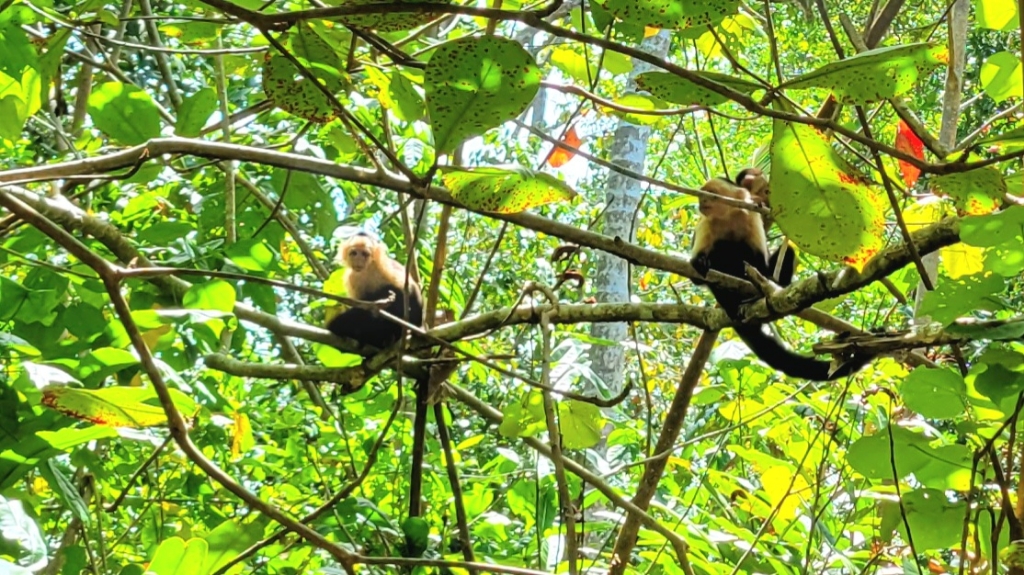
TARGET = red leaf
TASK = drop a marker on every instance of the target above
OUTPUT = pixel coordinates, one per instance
(908, 143)
(559, 155)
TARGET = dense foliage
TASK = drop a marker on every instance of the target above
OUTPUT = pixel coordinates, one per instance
(175, 177)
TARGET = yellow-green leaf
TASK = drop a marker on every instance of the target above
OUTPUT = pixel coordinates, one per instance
(819, 201)
(876, 74)
(119, 406)
(504, 190)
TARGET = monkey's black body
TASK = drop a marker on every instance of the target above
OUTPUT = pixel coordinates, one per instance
(728, 238)
(370, 329)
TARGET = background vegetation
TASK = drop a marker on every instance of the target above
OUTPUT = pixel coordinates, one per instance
(175, 176)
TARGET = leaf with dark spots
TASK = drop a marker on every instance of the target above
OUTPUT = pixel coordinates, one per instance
(470, 91)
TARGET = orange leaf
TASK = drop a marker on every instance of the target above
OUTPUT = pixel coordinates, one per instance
(559, 155)
(908, 143)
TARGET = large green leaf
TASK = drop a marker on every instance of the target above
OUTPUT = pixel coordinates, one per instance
(672, 14)
(119, 406)
(976, 192)
(876, 74)
(387, 21)
(998, 15)
(504, 191)
(477, 83)
(195, 111)
(175, 556)
(935, 393)
(285, 85)
(1001, 76)
(677, 90)
(217, 295)
(124, 112)
(819, 201)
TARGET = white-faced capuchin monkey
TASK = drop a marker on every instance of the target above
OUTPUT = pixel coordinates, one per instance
(728, 237)
(371, 275)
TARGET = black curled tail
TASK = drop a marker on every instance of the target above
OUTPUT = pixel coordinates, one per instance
(779, 357)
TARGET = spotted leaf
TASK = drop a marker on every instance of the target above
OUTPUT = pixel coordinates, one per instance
(504, 190)
(285, 85)
(975, 192)
(876, 74)
(672, 88)
(672, 14)
(818, 200)
(474, 84)
(387, 21)
(119, 406)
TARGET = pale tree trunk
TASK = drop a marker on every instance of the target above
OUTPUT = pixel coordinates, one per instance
(612, 280)
(951, 99)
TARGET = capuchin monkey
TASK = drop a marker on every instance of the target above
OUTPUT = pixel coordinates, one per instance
(754, 181)
(729, 237)
(371, 275)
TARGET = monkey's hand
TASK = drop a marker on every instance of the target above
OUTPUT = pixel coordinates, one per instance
(701, 263)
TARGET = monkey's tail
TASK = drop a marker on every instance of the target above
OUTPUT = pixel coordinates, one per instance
(774, 353)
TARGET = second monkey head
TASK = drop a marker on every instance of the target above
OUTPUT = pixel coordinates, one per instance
(359, 251)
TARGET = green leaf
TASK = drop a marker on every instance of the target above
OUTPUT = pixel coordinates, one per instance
(175, 556)
(876, 74)
(105, 361)
(935, 393)
(672, 14)
(12, 119)
(968, 294)
(195, 111)
(995, 229)
(581, 424)
(504, 190)
(677, 90)
(819, 201)
(417, 536)
(871, 455)
(477, 83)
(227, 541)
(935, 521)
(998, 15)
(976, 192)
(251, 255)
(124, 113)
(1003, 331)
(948, 467)
(1001, 76)
(216, 295)
(285, 85)
(523, 418)
(18, 52)
(387, 22)
(118, 406)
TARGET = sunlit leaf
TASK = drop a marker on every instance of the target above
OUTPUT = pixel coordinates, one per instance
(1001, 76)
(672, 14)
(976, 192)
(124, 112)
(195, 111)
(677, 90)
(819, 201)
(876, 74)
(477, 83)
(118, 406)
(504, 190)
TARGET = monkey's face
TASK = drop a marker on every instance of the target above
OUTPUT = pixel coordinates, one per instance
(358, 255)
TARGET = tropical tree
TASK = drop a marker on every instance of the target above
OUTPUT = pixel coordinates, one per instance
(176, 177)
